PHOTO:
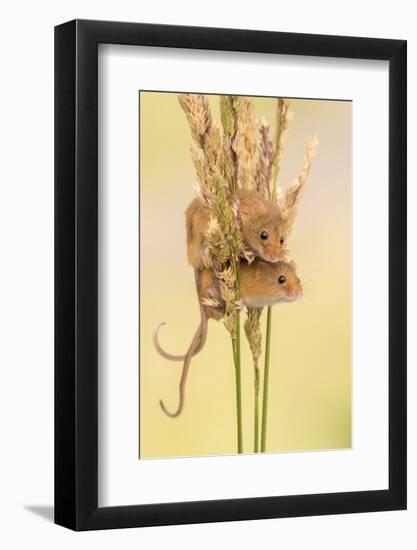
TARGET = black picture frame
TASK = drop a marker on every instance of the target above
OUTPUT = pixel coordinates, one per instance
(76, 272)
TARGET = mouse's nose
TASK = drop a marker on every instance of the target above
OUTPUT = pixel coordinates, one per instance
(296, 293)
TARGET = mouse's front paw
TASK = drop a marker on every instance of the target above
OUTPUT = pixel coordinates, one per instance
(239, 305)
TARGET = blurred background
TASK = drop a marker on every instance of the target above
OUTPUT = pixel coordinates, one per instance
(310, 373)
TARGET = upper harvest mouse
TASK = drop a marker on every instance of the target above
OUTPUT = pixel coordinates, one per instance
(262, 225)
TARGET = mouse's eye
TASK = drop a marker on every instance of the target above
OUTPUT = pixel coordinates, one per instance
(281, 279)
(282, 240)
(264, 235)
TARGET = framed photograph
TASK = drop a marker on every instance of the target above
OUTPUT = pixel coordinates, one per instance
(230, 284)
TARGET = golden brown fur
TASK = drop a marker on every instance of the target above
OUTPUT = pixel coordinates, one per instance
(257, 215)
(260, 284)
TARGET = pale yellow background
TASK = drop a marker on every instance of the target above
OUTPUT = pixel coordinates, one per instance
(310, 376)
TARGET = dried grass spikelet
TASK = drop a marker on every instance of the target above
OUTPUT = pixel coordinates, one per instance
(212, 302)
(245, 142)
(229, 165)
(221, 256)
(216, 164)
(228, 115)
(284, 116)
(253, 332)
(265, 161)
(207, 152)
(226, 278)
(209, 167)
(207, 178)
(247, 253)
(217, 246)
(213, 150)
(200, 166)
(240, 140)
(223, 247)
(293, 194)
(197, 111)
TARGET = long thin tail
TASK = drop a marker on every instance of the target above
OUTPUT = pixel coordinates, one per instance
(202, 339)
(169, 356)
(199, 335)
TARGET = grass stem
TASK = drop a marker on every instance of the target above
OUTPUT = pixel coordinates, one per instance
(256, 412)
(266, 379)
(238, 382)
(236, 349)
(282, 126)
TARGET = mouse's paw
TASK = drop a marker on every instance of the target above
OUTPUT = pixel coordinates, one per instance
(239, 305)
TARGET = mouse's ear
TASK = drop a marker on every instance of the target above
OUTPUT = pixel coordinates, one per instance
(292, 264)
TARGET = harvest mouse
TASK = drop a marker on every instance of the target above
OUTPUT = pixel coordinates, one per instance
(261, 284)
(263, 227)
(264, 284)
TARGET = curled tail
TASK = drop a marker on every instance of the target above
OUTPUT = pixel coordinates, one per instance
(200, 336)
(171, 357)
(203, 335)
